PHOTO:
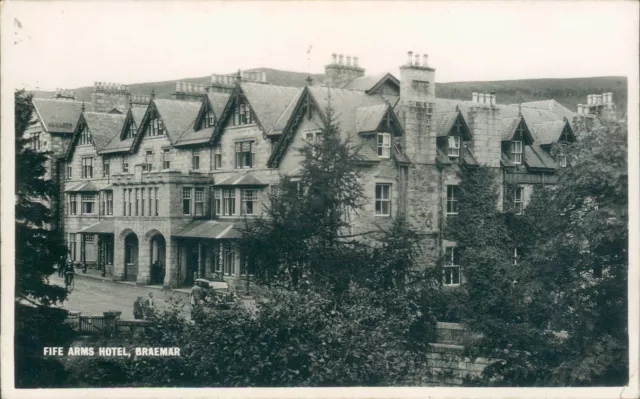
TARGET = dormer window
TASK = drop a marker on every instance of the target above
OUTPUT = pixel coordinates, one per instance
(516, 152)
(454, 147)
(242, 115)
(85, 137)
(562, 160)
(156, 127)
(384, 145)
(209, 119)
(131, 133)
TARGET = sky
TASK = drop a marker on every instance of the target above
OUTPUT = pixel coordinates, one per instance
(69, 44)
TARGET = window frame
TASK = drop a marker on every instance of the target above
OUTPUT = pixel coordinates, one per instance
(187, 200)
(451, 267)
(88, 199)
(148, 166)
(87, 169)
(69, 172)
(452, 199)
(106, 172)
(384, 145)
(195, 159)
(245, 156)
(109, 202)
(125, 164)
(518, 200)
(517, 156)
(229, 201)
(381, 201)
(245, 199)
(454, 146)
(196, 202)
(166, 158)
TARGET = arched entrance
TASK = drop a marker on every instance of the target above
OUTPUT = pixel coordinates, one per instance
(157, 250)
(130, 257)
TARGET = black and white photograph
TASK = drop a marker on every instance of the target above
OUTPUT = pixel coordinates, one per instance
(383, 198)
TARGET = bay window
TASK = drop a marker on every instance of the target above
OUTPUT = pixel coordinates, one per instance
(229, 202)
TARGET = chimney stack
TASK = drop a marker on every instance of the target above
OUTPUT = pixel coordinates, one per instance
(409, 58)
(482, 98)
(474, 97)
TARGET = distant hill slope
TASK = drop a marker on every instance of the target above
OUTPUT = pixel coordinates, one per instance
(569, 92)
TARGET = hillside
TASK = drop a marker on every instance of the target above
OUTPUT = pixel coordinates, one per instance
(569, 92)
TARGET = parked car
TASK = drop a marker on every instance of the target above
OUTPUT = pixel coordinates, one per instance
(212, 293)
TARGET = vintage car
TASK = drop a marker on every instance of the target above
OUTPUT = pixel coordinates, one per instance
(212, 293)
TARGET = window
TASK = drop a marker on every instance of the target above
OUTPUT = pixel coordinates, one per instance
(166, 158)
(88, 238)
(383, 199)
(35, 141)
(195, 160)
(454, 147)
(109, 195)
(517, 200)
(125, 164)
(157, 201)
(229, 202)
(186, 200)
(249, 202)
(217, 158)
(143, 201)
(209, 119)
(137, 200)
(384, 145)
(516, 152)
(562, 160)
(245, 154)
(420, 86)
(73, 204)
(242, 114)
(88, 204)
(156, 127)
(69, 174)
(85, 137)
(148, 161)
(150, 211)
(87, 168)
(130, 201)
(72, 245)
(217, 202)
(452, 200)
(451, 267)
(132, 131)
(105, 168)
(199, 201)
(124, 202)
(228, 260)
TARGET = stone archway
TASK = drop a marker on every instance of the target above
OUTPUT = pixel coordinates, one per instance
(130, 256)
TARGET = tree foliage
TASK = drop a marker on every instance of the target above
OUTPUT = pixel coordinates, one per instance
(558, 316)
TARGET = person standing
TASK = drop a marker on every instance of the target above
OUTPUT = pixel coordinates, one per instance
(138, 308)
(150, 306)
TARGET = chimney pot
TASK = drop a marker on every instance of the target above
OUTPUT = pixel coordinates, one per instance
(424, 60)
(341, 59)
(589, 99)
(409, 57)
(264, 76)
(579, 109)
(417, 60)
(474, 97)
(334, 58)
(355, 61)
(493, 99)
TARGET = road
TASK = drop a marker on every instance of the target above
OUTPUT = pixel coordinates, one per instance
(94, 296)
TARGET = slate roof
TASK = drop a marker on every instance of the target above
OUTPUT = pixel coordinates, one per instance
(117, 145)
(368, 118)
(241, 179)
(178, 116)
(550, 105)
(268, 101)
(548, 132)
(104, 127)
(508, 127)
(59, 116)
(283, 119)
(86, 186)
(213, 229)
(364, 83)
(102, 227)
(536, 157)
(218, 102)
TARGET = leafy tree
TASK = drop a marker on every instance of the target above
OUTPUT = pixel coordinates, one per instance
(38, 248)
(558, 317)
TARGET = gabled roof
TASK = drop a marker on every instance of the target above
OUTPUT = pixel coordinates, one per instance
(178, 116)
(103, 128)
(59, 116)
(445, 122)
(368, 118)
(268, 102)
(282, 121)
(241, 179)
(214, 101)
(536, 158)
(549, 132)
(508, 129)
(371, 82)
(117, 143)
